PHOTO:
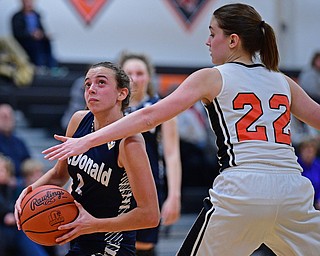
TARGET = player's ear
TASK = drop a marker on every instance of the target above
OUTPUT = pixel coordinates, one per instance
(234, 40)
(123, 93)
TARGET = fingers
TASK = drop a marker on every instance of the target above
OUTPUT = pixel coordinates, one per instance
(58, 154)
(171, 219)
(75, 223)
(17, 207)
(78, 205)
(169, 215)
(55, 152)
(60, 137)
(17, 217)
(66, 237)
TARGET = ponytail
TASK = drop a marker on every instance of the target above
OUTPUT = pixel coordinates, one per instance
(269, 54)
(257, 36)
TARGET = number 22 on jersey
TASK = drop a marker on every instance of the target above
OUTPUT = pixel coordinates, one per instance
(256, 112)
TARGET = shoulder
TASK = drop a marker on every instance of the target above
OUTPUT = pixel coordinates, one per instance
(75, 121)
(131, 148)
(210, 81)
(132, 141)
(18, 15)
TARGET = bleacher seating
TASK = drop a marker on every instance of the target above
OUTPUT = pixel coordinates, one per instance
(44, 101)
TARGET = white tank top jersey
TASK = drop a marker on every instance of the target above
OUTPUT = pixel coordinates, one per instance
(251, 118)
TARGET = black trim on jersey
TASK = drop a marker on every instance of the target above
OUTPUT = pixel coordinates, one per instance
(216, 117)
(248, 66)
(196, 233)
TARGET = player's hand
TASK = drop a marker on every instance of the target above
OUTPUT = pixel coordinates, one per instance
(69, 147)
(170, 211)
(17, 207)
(84, 224)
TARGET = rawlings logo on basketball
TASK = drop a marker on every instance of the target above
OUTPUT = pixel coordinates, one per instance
(48, 198)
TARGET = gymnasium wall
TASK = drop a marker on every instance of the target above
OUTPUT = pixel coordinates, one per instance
(153, 27)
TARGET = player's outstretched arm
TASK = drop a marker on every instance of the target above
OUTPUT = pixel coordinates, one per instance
(70, 147)
(186, 95)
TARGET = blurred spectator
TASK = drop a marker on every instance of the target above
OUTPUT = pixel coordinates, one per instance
(310, 163)
(76, 101)
(32, 169)
(27, 28)
(309, 78)
(12, 242)
(301, 131)
(197, 146)
(10, 144)
(162, 144)
(14, 63)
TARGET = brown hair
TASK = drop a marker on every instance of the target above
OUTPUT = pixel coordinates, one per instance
(122, 79)
(124, 56)
(314, 58)
(257, 36)
(9, 165)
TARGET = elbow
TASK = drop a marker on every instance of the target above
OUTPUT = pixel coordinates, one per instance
(153, 218)
(155, 221)
(148, 121)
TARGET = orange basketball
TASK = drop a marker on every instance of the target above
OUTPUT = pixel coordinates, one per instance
(44, 210)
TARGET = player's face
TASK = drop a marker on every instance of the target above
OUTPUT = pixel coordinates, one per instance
(218, 43)
(7, 120)
(4, 173)
(137, 71)
(101, 92)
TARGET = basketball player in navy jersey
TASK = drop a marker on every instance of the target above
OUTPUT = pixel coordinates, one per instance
(112, 183)
(162, 144)
(260, 195)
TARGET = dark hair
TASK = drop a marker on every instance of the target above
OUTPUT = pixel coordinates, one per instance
(316, 55)
(256, 35)
(122, 79)
(124, 56)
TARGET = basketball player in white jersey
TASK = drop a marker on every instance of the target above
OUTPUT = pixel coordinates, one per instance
(260, 195)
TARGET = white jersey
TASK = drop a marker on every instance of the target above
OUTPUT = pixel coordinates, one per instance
(251, 118)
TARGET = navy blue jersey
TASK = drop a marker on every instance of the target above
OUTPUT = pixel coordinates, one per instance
(103, 189)
(152, 139)
(154, 150)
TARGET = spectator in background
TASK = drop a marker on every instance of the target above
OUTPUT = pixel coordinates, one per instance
(300, 131)
(310, 163)
(162, 143)
(12, 242)
(309, 78)
(197, 146)
(28, 30)
(10, 144)
(31, 170)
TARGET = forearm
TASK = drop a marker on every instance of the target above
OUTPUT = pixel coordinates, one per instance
(171, 145)
(174, 177)
(137, 218)
(124, 127)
